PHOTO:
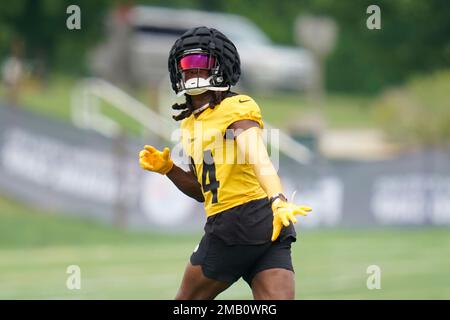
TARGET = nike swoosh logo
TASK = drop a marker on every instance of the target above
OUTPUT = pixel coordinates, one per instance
(242, 101)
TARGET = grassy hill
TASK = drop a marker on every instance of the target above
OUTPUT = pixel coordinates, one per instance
(280, 109)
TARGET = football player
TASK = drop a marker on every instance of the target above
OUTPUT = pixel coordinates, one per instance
(249, 227)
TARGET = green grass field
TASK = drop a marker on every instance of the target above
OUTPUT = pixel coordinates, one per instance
(36, 248)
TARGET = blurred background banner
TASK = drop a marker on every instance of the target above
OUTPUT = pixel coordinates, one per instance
(359, 97)
(59, 166)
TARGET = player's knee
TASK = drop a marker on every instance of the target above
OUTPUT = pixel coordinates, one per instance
(182, 295)
(195, 295)
(274, 285)
(273, 293)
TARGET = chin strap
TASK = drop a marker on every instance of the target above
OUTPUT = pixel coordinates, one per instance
(210, 88)
(196, 86)
(201, 108)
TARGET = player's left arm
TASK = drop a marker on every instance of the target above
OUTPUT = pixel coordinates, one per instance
(250, 143)
(152, 159)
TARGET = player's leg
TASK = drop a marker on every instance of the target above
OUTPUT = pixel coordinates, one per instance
(215, 265)
(204, 276)
(196, 286)
(274, 284)
(272, 276)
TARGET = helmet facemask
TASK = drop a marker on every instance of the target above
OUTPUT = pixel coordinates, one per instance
(198, 71)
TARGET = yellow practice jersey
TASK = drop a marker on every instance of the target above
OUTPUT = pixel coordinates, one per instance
(226, 180)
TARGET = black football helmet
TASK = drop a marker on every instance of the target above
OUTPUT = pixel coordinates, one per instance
(223, 62)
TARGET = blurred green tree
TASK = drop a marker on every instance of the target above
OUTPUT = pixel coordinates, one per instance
(418, 113)
(414, 37)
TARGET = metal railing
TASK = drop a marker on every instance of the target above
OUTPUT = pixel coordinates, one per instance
(86, 113)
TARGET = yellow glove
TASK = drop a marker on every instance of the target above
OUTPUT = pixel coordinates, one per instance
(284, 213)
(154, 160)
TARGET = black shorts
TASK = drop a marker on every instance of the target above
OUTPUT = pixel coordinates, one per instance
(237, 243)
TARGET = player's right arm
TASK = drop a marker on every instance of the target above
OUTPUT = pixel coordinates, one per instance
(152, 159)
(186, 182)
